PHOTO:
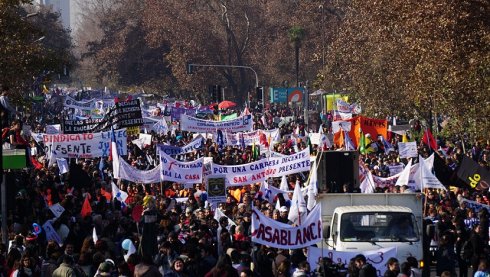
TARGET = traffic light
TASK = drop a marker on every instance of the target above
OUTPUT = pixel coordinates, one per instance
(260, 93)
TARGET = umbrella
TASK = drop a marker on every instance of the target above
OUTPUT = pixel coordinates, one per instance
(226, 104)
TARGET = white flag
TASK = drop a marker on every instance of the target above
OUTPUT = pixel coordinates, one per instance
(131, 251)
(62, 165)
(312, 188)
(404, 175)
(367, 185)
(94, 236)
(120, 195)
(428, 180)
(297, 212)
(284, 183)
(219, 214)
(115, 156)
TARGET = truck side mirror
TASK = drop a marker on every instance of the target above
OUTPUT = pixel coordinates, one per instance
(326, 232)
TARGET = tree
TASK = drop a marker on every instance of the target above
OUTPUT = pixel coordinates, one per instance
(413, 58)
(31, 46)
(296, 35)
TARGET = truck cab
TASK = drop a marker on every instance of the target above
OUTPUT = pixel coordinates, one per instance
(363, 222)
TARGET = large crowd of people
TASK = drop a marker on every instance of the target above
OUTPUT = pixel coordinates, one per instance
(190, 239)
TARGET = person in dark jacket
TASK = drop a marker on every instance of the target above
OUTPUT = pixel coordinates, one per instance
(365, 269)
(393, 268)
(477, 245)
(146, 268)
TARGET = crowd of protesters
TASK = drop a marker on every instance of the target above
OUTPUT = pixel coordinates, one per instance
(190, 240)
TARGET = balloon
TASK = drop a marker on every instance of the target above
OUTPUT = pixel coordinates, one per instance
(126, 244)
(37, 229)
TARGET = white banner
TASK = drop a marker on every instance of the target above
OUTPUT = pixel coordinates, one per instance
(250, 138)
(53, 129)
(129, 173)
(89, 145)
(275, 234)
(180, 172)
(395, 169)
(259, 171)
(195, 144)
(376, 258)
(408, 149)
(158, 125)
(192, 124)
(344, 125)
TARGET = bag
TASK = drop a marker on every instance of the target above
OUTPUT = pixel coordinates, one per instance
(466, 250)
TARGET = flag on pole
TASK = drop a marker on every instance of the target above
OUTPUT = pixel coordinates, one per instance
(312, 187)
(115, 156)
(95, 238)
(284, 183)
(120, 195)
(405, 175)
(298, 211)
(362, 142)
(429, 139)
(349, 145)
(86, 208)
(387, 145)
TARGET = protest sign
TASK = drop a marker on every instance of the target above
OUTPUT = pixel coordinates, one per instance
(275, 234)
(376, 258)
(89, 145)
(259, 171)
(51, 233)
(195, 144)
(133, 131)
(53, 129)
(395, 169)
(57, 209)
(408, 149)
(180, 172)
(121, 115)
(473, 174)
(192, 124)
(216, 189)
(155, 124)
(129, 173)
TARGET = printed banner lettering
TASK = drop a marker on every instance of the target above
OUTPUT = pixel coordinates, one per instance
(129, 173)
(407, 149)
(272, 233)
(180, 172)
(121, 115)
(473, 174)
(195, 144)
(192, 124)
(259, 171)
(90, 145)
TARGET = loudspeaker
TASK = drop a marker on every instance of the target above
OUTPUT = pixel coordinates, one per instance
(337, 168)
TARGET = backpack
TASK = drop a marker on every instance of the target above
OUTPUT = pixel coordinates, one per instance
(466, 250)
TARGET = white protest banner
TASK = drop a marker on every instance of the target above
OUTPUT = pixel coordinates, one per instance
(376, 258)
(250, 138)
(51, 233)
(80, 105)
(315, 138)
(270, 192)
(259, 171)
(344, 125)
(343, 106)
(408, 149)
(129, 173)
(275, 234)
(89, 145)
(180, 172)
(395, 169)
(62, 165)
(53, 129)
(156, 124)
(57, 209)
(195, 144)
(142, 141)
(192, 124)
(475, 206)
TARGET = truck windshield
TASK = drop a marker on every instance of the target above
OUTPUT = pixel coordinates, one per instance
(378, 226)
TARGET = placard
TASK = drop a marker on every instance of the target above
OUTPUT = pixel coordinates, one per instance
(216, 188)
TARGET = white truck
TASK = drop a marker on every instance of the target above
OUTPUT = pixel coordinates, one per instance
(358, 222)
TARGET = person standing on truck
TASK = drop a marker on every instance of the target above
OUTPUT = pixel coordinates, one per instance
(365, 269)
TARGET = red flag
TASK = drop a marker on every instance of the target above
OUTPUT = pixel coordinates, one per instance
(86, 208)
(429, 140)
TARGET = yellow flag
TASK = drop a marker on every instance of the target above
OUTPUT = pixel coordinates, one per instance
(404, 138)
